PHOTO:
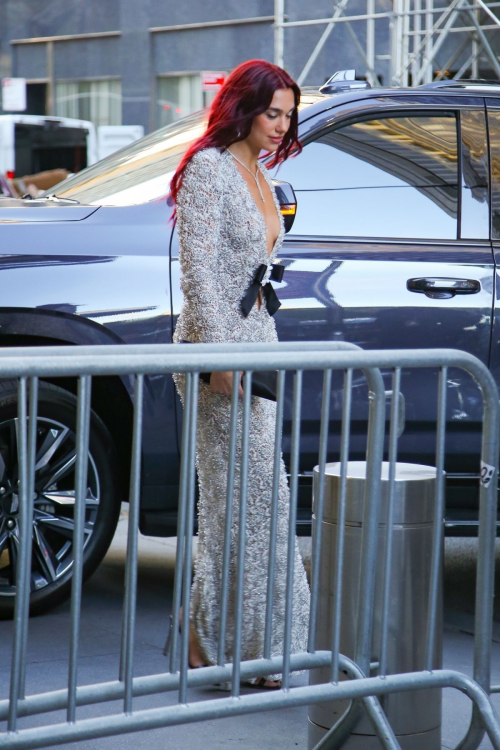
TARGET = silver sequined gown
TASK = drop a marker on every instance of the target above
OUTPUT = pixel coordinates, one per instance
(222, 241)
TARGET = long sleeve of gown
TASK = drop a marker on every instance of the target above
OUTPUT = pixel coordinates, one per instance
(199, 207)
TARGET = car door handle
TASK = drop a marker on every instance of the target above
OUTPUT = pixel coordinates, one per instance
(439, 288)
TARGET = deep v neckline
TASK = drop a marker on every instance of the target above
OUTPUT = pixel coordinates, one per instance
(250, 196)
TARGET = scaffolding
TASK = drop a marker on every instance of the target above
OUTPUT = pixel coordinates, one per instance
(416, 40)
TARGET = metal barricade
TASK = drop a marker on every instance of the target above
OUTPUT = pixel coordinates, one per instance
(30, 365)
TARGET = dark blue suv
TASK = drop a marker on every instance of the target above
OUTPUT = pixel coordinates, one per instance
(394, 245)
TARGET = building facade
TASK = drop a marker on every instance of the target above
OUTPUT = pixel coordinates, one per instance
(141, 62)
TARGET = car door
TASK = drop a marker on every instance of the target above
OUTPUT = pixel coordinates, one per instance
(390, 249)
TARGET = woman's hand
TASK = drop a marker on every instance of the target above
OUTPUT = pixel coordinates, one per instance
(222, 382)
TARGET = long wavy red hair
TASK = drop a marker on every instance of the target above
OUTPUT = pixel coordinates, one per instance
(247, 92)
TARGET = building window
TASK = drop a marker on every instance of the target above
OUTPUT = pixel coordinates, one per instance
(180, 95)
(97, 101)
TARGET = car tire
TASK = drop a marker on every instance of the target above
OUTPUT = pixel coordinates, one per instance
(51, 569)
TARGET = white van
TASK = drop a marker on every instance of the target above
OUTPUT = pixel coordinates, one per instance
(35, 143)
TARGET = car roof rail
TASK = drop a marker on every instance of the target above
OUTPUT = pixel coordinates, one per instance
(343, 80)
(461, 83)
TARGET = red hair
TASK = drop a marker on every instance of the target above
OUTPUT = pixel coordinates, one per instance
(247, 92)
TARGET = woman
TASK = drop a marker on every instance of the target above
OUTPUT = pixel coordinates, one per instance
(229, 223)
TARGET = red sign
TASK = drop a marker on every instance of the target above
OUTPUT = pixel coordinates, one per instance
(212, 81)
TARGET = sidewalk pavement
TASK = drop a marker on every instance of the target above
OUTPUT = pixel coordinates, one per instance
(99, 653)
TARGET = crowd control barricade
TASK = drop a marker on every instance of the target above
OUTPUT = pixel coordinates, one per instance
(177, 682)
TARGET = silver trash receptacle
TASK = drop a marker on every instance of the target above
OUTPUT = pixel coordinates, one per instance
(415, 716)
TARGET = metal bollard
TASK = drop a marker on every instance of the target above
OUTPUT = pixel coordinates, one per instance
(414, 716)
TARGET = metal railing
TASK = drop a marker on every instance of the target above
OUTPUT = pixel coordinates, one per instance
(30, 365)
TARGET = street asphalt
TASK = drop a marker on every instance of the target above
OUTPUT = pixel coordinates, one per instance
(47, 660)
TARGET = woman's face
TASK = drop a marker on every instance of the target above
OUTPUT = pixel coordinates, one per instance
(269, 128)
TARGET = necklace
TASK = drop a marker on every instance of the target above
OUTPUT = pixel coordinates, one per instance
(255, 176)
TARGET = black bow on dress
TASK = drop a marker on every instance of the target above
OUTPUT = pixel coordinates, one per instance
(272, 302)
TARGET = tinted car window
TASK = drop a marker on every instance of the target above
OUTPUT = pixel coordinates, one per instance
(494, 128)
(390, 177)
(475, 207)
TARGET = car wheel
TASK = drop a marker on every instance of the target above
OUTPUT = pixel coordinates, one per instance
(54, 498)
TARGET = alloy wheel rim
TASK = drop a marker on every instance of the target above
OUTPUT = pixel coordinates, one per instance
(53, 503)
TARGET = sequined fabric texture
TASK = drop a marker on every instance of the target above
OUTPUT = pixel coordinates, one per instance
(222, 241)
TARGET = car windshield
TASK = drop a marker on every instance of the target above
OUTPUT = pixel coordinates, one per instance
(142, 171)
(138, 173)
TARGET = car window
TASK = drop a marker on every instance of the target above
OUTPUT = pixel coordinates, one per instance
(390, 177)
(475, 199)
(494, 128)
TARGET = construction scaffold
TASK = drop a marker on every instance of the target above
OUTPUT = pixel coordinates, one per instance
(417, 32)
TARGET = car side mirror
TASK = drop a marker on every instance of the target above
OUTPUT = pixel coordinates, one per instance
(287, 201)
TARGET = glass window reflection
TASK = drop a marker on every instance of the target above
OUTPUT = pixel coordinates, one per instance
(391, 177)
(386, 152)
(494, 128)
(392, 212)
(475, 192)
